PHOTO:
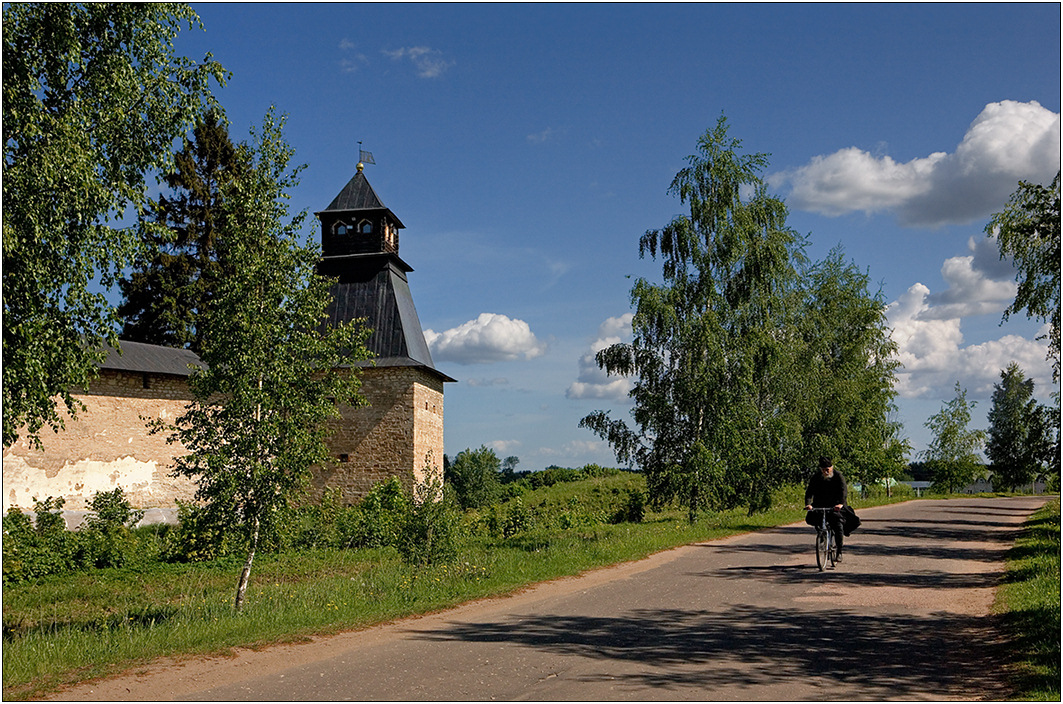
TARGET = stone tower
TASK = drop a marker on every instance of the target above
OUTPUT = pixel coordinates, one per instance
(401, 432)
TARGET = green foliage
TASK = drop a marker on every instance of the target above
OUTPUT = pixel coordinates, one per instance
(846, 385)
(431, 530)
(516, 519)
(37, 548)
(274, 372)
(171, 282)
(197, 537)
(93, 99)
(475, 477)
(1028, 231)
(634, 508)
(44, 547)
(106, 538)
(1028, 601)
(952, 455)
(380, 516)
(1019, 440)
(743, 360)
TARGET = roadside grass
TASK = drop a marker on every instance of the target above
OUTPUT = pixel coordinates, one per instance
(66, 629)
(1029, 604)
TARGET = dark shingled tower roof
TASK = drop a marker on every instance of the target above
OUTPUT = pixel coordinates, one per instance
(372, 281)
(358, 195)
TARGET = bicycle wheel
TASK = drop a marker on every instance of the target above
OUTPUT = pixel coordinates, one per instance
(821, 550)
(832, 550)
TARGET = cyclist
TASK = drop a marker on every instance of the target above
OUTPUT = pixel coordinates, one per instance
(827, 489)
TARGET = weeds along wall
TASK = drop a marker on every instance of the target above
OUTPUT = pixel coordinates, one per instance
(108, 445)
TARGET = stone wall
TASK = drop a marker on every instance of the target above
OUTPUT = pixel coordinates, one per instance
(392, 437)
(109, 445)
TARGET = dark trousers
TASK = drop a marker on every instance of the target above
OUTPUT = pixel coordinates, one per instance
(834, 522)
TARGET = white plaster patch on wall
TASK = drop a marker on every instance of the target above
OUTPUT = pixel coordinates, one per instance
(83, 478)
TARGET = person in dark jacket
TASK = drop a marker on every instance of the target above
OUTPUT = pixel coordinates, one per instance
(827, 489)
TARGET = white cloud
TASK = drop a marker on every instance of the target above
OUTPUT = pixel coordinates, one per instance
(504, 447)
(541, 137)
(355, 60)
(497, 381)
(592, 381)
(1009, 141)
(931, 350)
(428, 62)
(489, 338)
(977, 285)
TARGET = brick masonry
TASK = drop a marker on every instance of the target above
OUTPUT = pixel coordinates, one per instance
(109, 445)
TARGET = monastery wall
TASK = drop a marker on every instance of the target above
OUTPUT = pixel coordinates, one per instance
(108, 445)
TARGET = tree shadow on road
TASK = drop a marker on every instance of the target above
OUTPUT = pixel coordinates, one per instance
(892, 656)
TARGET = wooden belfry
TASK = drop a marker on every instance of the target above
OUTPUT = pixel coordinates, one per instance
(401, 433)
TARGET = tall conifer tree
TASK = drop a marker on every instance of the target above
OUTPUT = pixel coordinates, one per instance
(173, 283)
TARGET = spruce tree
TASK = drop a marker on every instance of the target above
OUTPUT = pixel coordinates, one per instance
(172, 285)
(1019, 441)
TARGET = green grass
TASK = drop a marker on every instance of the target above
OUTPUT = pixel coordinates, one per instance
(1029, 605)
(75, 627)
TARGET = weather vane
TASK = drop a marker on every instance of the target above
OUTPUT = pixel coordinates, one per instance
(364, 157)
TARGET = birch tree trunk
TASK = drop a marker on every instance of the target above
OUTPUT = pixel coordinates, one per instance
(245, 574)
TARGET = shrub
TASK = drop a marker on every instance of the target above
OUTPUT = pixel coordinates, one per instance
(430, 531)
(634, 508)
(37, 548)
(106, 538)
(378, 518)
(321, 525)
(517, 519)
(196, 537)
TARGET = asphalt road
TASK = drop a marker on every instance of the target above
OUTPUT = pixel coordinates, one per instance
(905, 616)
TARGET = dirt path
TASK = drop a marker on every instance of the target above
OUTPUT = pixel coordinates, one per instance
(904, 617)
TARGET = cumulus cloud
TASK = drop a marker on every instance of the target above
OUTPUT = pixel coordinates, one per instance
(978, 284)
(931, 350)
(428, 62)
(592, 381)
(1009, 141)
(489, 338)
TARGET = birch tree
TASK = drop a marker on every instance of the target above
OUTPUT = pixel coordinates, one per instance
(713, 355)
(94, 96)
(274, 374)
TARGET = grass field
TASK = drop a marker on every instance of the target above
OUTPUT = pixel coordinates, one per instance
(1029, 604)
(85, 625)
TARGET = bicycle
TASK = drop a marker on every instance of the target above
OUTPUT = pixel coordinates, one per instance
(826, 549)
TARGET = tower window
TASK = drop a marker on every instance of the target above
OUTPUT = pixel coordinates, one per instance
(365, 227)
(341, 229)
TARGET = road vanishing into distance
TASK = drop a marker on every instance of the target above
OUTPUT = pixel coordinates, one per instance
(905, 616)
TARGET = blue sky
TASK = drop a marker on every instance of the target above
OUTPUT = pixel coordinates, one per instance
(527, 148)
